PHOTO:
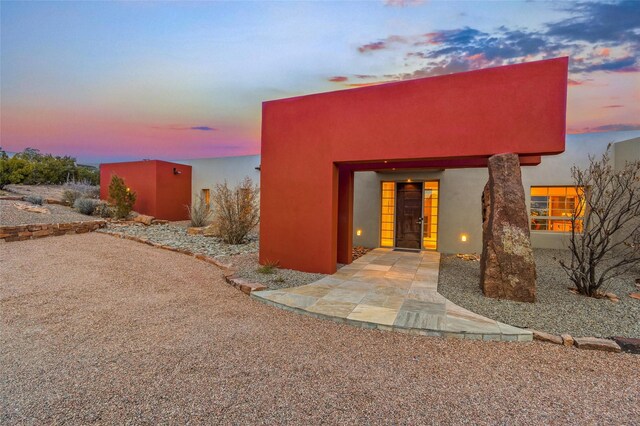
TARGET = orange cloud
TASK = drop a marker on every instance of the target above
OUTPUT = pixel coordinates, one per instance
(338, 79)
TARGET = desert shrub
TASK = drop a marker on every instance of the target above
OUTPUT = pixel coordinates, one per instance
(199, 212)
(70, 196)
(34, 199)
(86, 205)
(236, 210)
(605, 225)
(104, 210)
(31, 167)
(84, 188)
(122, 197)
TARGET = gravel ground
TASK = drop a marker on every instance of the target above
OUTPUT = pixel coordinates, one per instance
(11, 216)
(176, 236)
(45, 191)
(134, 334)
(556, 310)
(247, 266)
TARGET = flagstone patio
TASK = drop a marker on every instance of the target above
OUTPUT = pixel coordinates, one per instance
(394, 291)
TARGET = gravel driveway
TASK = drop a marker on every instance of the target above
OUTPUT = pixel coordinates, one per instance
(104, 330)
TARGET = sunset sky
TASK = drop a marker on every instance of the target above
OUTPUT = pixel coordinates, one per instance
(126, 80)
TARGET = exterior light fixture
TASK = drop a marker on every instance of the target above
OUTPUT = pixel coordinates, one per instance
(359, 232)
(176, 171)
(408, 180)
(463, 238)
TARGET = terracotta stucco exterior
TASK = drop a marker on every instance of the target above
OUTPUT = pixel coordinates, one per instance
(311, 146)
(160, 192)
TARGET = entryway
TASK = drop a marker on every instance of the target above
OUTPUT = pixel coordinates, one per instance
(390, 290)
(409, 218)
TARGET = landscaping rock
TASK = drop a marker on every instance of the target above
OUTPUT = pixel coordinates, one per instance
(144, 219)
(628, 344)
(567, 340)
(159, 222)
(597, 344)
(612, 296)
(359, 251)
(634, 295)
(211, 231)
(195, 230)
(507, 265)
(546, 337)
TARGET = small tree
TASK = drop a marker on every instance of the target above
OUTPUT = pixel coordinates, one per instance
(121, 196)
(605, 224)
(199, 212)
(237, 210)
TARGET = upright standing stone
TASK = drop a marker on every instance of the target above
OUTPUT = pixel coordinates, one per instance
(507, 267)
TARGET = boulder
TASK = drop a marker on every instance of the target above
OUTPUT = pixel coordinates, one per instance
(507, 266)
(144, 219)
(567, 340)
(211, 231)
(195, 230)
(596, 344)
(546, 337)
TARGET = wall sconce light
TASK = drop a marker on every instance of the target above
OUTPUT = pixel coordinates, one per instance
(176, 171)
(359, 232)
(408, 180)
(463, 238)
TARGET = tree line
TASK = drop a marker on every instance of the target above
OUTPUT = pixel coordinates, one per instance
(31, 167)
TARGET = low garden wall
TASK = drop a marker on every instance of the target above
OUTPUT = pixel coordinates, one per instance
(28, 232)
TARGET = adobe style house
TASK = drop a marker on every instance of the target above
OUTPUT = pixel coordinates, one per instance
(403, 165)
(163, 189)
(312, 146)
(451, 207)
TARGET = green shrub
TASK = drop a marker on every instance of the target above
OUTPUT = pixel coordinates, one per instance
(122, 197)
(104, 210)
(86, 205)
(30, 167)
(34, 199)
(269, 267)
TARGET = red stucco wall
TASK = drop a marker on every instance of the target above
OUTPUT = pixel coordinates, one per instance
(306, 140)
(159, 192)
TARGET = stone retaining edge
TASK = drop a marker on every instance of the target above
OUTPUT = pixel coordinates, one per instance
(228, 272)
(40, 230)
(406, 330)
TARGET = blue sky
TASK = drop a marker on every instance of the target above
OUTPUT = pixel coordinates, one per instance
(108, 81)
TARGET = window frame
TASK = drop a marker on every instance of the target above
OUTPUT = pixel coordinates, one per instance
(549, 219)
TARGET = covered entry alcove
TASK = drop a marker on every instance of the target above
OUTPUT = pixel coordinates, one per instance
(312, 146)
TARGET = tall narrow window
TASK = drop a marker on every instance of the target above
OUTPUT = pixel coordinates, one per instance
(553, 206)
(430, 216)
(206, 196)
(387, 220)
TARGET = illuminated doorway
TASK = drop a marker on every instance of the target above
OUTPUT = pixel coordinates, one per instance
(403, 216)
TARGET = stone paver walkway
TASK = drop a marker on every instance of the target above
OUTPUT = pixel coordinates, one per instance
(394, 291)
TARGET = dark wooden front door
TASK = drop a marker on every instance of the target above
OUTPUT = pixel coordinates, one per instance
(409, 215)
